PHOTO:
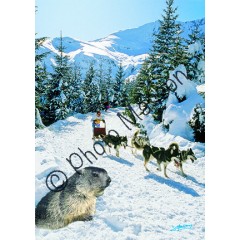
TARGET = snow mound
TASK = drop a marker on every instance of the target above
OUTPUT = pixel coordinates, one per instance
(177, 114)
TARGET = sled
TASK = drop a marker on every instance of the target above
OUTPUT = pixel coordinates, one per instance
(99, 128)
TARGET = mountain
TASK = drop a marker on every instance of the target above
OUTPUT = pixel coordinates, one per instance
(130, 47)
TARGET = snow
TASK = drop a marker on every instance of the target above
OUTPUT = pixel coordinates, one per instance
(38, 120)
(177, 115)
(137, 204)
(63, 97)
(201, 65)
(201, 88)
(185, 87)
(195, 48)
(70, 45)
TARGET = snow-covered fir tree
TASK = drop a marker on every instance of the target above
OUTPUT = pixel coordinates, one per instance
(59, 92)
(166, 54)
(143, 90)
(196, 55)
(41, 79)
(126, 93)
(91, 91)
(179, 54)
(76, 96)
(118, 87)
(108, 85)
(100, 80)
(129, 91)
(197, 123)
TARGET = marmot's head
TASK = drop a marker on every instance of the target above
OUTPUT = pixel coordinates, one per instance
(92, 181)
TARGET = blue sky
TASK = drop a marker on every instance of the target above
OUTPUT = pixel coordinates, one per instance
(93, 19)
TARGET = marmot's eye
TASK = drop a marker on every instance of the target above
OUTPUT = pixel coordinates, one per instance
(95, 174)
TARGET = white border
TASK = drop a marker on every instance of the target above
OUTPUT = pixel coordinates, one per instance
(222, 114)
(17, 119)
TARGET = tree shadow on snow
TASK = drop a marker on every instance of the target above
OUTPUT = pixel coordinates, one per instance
(171, 183)
(119, 160)
(63, 126)
(80, 116)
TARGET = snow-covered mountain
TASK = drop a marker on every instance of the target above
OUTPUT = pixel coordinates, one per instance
(130, 47)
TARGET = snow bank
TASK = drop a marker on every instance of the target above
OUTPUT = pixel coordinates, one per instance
(177, 115)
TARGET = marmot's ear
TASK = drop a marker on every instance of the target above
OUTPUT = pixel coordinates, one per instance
(81, 172)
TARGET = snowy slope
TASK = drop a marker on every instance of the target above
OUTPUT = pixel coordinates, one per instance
(130, 47)
(137, 204)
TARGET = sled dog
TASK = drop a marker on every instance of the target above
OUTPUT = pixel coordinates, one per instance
(184, 156)
(115, 141)
(139, 142)
(162, 155)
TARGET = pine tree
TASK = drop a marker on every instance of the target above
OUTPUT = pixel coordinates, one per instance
(41, 86)
(142, 91)
(76, 93)
(179, 55)
(196, 55)
(59, 93)
(91, 91)
(166, 42)
(105, 85)
(197, 123)
(41, 79)
(118, 86)
(129, 92)
(100, 79)
(125, 98)
(108, 85)
(166, 54)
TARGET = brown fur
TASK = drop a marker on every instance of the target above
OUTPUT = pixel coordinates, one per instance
(76, 202)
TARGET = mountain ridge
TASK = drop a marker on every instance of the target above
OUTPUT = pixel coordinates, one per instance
(129, 47)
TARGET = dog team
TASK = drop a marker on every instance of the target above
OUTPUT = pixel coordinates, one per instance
(163, 156)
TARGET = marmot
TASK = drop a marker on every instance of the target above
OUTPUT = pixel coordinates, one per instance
(76, 202)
